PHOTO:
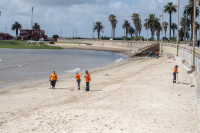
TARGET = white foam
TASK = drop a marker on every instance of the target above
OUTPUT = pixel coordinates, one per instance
(118, 60)
(1, 59)
(20, 65)
(73, 71)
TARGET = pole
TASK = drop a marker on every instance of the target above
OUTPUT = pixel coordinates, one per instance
(194, 29)
(93, 30)
(147, 30)
(76, 33)
(185, 26)
(73, 33)
(178, 29)
(199, 32)
(162, 33)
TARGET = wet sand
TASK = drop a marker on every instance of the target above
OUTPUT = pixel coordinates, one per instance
(136, 95)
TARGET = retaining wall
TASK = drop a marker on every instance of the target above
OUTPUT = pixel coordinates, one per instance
(114, 43)
(184, 52)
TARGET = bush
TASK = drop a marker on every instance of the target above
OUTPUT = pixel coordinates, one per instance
(173, 39)
(165, 38)
(181, 39)
(105, 38)
(55, 36)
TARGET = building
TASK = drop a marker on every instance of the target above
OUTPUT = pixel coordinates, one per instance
(28, 34)
(5, 36)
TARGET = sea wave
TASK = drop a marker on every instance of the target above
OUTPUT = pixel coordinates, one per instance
(118, 60)
(73, 71)
(1, 59)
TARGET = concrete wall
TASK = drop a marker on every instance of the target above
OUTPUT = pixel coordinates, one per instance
(185, 52)
(114, 43)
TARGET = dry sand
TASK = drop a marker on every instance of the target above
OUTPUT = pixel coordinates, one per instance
(133, 96)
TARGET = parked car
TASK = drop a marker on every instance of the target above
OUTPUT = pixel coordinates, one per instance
(46, 39)
(41, 41)
(31, 41)
(51, 42)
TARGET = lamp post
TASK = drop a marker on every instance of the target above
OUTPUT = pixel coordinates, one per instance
(76, 32)
(147, 26)
(92, 29)
(194, 29)
(124, 27)
(162, 29)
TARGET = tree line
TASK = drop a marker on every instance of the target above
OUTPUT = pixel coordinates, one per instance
(154, 24)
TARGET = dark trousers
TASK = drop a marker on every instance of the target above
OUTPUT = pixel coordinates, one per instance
(78, 82)
(87, 86)
(174, 80)
(53, 83)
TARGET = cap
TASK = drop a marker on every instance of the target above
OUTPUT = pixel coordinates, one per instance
(86, 71)
(176, 66)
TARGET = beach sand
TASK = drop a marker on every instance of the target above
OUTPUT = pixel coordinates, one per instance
(133, 96)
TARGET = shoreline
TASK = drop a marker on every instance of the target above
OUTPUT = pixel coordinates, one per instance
(137, 92)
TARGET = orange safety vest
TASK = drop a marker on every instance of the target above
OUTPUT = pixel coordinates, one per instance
(53, 76)
(175, 70)
(87, 78)
(77, 76)
(156, 52)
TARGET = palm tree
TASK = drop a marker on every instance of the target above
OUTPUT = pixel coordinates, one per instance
(189, 11)
(36, 26)
(153, 22)
(169, 8)
(131, 31)
(197, 28)
(137, 21)
(165, 27)
(126, 25)
(113, 21)
(174, 27)
(16, 26)
(99, 28)
(185, 23)
(158, 29)
(139, 28)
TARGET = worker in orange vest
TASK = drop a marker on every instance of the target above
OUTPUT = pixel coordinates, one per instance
(53, 79)
(157, 54)
(174, 73)
(87, 80)
(78, 78)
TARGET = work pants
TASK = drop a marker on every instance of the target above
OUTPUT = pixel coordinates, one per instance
(53, 83)
(87, 86)
(78, 82)
(174, 80)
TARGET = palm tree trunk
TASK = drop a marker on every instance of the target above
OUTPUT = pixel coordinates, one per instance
(165, 35)
(114, 33)
(126, 31)
(192, 26)
(170, 23)
(98, 34)
(173, 32)
(196, 34)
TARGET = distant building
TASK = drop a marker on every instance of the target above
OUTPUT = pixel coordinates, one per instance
(5, 36)
(27, 34)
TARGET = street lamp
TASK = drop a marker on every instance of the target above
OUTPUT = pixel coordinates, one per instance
(76, 32)
(124, 27)
(92, 29)
(162, 29)
(147, 26)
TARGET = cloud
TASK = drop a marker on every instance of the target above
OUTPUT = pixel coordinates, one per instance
(65, 3)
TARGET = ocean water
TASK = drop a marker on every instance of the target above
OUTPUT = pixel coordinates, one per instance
(18, 66)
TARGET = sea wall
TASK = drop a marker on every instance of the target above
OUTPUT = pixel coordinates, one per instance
(113, 43)
(184, 52)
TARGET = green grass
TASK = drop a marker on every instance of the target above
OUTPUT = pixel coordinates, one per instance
(24, 45)
(70, 43)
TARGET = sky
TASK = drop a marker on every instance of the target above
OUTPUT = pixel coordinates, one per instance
(55, 16)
